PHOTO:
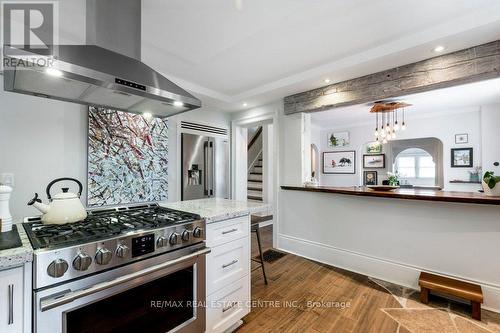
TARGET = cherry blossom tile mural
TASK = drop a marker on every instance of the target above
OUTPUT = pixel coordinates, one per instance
(127, 158)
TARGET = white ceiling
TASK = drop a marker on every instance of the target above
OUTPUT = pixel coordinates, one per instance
(265, 50)
(450, 101)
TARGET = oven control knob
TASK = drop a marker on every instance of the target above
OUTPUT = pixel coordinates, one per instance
(82, 262)
(57, 268)
(174, 239)
(198, 232)
(122, 251)
(161, 241)
(103, 256)
(186, 235)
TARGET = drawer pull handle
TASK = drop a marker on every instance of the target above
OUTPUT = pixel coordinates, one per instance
(11, 304)
(229, 307)
(229, 231)
(230, 264)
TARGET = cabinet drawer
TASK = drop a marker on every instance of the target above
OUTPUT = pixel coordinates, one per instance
(11, 300)
(227, 306)
(227, 231)
(227, 263)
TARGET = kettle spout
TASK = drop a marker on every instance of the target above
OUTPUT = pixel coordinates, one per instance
(42, 207)
(37, 203)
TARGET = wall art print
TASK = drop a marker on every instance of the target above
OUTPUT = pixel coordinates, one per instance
(341, 162)
(127, 158)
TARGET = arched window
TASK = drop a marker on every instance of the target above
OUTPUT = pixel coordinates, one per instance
(416, 167)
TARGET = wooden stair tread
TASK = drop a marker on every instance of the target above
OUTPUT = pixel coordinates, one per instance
(450, 286)
(254, 189)
(251, 197)
(255, 181)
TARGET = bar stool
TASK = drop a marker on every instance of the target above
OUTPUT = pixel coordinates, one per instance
(254, 227)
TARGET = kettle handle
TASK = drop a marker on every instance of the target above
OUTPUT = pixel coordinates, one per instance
(80, 186)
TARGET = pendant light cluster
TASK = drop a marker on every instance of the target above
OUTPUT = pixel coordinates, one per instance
(388, 116)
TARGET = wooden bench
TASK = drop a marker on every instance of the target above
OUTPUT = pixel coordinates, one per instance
(469, 291)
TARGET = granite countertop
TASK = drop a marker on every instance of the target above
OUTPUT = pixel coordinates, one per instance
(17, 256)
(216, 209)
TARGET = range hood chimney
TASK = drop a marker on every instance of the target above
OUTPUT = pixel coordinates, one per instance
(107, 72)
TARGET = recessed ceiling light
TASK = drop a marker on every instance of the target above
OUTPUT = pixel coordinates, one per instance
(327, 80)
(245, 104)
(53, 72)
(439, 48)
(147, 115)
(178, 103)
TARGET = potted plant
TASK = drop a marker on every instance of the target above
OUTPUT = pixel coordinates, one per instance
(490, 184)
(393, 178)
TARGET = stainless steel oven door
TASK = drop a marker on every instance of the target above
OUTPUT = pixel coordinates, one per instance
(159, 294)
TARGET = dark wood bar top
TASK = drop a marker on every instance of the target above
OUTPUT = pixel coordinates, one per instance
(405, 193)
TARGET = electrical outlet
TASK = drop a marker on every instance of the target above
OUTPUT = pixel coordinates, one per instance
(7, 179)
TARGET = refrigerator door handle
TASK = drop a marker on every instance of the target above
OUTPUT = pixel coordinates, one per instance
(212, 164)
(205, 166)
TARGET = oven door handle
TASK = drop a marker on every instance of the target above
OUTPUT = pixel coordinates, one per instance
(52, 303)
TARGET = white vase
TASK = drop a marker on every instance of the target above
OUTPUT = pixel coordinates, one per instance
(491, 192)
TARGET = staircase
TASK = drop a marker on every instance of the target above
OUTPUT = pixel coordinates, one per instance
(254, 188)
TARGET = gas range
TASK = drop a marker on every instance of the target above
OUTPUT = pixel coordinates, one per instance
(108, 238)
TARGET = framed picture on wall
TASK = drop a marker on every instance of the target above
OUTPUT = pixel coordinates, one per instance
(338, 139)
(374, 147)
(339, 162)
(374, 161)
(462, 158)
(461, 138)
(370, 178)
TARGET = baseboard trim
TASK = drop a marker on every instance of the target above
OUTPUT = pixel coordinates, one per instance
(394, 272)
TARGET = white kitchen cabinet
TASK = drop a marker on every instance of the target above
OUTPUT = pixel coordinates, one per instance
(227, 306)
(227, 231)
(228, 273)
(227, 263)
(12, 300)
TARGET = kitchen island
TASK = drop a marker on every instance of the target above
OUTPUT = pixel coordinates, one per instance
(395, 236)
(228, 236)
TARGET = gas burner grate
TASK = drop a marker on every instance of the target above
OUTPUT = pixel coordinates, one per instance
(103, 224)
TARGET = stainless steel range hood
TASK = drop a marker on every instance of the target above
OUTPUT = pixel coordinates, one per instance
(94, 75)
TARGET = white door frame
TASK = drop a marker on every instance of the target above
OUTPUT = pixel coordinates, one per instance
(239, 161)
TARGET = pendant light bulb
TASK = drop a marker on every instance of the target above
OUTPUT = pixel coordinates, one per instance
(393, 135)
(403, 127)
(396, 126)
(376, 132)
(382, 134)
(385, 141)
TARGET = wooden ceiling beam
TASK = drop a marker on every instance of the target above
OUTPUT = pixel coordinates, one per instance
(474, 64)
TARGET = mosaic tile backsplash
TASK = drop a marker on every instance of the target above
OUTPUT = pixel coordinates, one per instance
(127, 158)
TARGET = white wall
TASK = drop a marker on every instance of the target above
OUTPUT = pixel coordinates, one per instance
(40, 140)
(490, 120)
(444, 126)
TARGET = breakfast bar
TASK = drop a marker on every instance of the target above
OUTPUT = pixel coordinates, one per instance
(395, 235)
(404, 193)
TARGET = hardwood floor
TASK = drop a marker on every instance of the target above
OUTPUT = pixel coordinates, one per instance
(346, 302)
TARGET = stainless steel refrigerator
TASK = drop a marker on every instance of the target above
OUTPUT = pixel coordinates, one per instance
(205, 167)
